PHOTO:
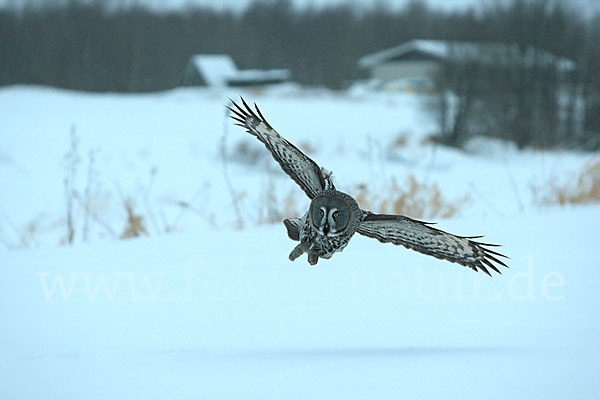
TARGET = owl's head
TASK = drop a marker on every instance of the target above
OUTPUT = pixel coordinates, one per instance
(330, 214)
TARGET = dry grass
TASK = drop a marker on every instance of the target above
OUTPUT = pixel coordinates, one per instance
(135, 225)
(272, 210)
(414, 199)
(307, 147)
(247, 152)
(401, 141)
(429, 140)
(583, 189)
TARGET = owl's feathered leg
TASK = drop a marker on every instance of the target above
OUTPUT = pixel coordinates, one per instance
(293, 226)
(313, 258)
(298, 251)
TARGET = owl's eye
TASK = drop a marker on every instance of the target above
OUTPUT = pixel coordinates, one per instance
(336, 214)
(322, 213)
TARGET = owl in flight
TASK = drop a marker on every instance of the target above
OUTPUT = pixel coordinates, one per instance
(333, 216)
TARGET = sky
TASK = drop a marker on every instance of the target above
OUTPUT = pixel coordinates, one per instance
(586, 5)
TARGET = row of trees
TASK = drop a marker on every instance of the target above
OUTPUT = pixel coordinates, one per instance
(87, 45)
(524, 95)
(519, 91)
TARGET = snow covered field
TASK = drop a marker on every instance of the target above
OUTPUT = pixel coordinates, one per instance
(199, 309)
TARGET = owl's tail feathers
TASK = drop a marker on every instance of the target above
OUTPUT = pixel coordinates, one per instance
(293, 226)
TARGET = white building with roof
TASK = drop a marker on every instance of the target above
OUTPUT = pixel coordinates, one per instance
(219, 70)
(418, 62)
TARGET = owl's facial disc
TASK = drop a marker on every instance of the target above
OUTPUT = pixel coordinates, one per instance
(332, 217)
(329, 216)
(323, 214)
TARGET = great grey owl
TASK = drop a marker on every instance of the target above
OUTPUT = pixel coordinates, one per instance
(333, 217)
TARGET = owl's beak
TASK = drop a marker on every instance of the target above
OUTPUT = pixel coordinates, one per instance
(326, 229)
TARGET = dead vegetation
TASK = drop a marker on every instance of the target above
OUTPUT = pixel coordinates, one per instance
(307, 147)
(400, 141)
(272, 210)
(584, 188)
(71, 162)
(414, 199)
(135, 224)
(87, 204)
(247, 152)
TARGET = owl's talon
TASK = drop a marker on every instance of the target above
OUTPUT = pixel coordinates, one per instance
(297, 252)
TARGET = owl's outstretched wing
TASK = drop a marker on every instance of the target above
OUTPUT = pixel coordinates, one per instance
(304, 171)
(420, 236)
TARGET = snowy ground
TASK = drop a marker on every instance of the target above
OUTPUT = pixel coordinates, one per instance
(207, 311)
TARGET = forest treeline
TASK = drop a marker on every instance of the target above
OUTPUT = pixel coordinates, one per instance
(87, 45)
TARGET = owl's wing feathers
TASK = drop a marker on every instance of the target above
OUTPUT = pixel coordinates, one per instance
(420, 236)
(303, 170)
